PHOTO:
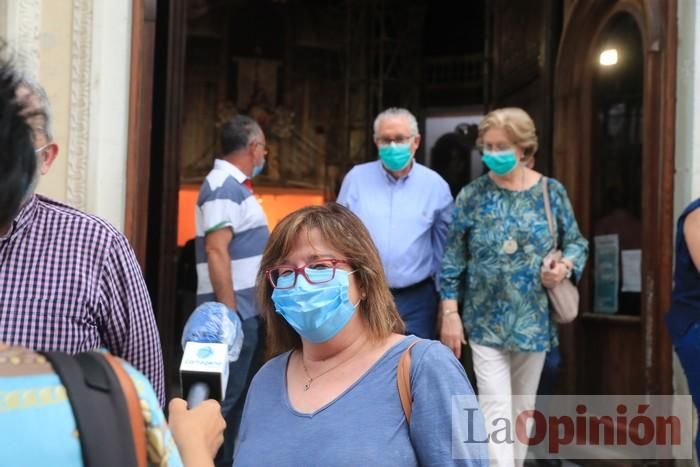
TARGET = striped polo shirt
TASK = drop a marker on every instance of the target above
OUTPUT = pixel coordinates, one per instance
(225, 202)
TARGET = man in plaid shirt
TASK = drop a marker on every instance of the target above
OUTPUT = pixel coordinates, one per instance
(69, 281)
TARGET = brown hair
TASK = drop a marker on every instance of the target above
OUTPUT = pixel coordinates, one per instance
(345, 233)
(518, 126)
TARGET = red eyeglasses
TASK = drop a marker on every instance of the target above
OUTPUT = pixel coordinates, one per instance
(315, 272)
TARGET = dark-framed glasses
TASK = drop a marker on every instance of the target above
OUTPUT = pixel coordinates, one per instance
(315, 272)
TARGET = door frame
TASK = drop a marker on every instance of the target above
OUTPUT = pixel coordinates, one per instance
(159, 30)
(143, 37)
(572, 148)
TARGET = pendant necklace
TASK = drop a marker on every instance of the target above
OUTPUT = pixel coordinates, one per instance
(510, 246)
(310, 380)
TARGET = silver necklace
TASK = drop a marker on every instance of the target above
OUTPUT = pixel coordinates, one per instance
(510, 246)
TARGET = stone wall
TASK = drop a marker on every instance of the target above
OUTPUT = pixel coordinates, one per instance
(80, 51)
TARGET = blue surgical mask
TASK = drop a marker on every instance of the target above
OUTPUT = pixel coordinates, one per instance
(317, 312)
(395, 157)
(500, 163)
(257, 170)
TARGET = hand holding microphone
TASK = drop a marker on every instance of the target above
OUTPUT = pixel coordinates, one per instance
(199, 432)
(213, 337)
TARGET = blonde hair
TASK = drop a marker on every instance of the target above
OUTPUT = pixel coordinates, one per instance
(345, 233)
(516, 123)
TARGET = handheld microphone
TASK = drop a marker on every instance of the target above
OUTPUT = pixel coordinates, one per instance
(212, 338)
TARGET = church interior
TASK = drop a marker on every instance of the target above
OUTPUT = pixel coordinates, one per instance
(314, 74)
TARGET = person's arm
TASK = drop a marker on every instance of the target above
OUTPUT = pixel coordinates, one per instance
(216, 244)
(125, 316)
(198, 433)
(447, 427)
(345, 196)
(691, 232)
(190, 439)
(453, 267)
(443, 217)
(220, 213)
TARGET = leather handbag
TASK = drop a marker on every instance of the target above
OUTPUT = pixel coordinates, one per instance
(564, 298)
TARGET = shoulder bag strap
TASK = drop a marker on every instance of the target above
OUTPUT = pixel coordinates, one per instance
(403, 379)
(548, 210)
(138, 425)
(99, 410)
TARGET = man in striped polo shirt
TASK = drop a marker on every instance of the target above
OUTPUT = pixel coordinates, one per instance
(231, 235)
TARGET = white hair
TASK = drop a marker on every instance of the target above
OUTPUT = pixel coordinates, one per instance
(37, 91)
(393, 112)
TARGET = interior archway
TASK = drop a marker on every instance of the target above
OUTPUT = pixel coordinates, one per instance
(628, 352)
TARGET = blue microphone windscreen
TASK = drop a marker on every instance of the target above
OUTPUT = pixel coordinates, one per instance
(214, 322)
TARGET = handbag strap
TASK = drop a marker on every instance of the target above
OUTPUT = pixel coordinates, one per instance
(138, 425)
(403, 379)
(548, 210)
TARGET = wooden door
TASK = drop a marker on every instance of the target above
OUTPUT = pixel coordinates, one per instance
(157, 53)
(521, 46)
(140, 114)
(613, 150)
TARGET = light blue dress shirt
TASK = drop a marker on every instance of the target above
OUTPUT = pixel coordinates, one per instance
(407, 218)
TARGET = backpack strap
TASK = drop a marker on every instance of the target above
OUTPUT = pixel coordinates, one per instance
(403, 379)
(99, 408)
(137, 422)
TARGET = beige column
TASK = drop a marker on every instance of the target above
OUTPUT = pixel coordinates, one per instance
(80, 51)
(54, 73)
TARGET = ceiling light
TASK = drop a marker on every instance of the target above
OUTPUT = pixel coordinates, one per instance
(608, 57)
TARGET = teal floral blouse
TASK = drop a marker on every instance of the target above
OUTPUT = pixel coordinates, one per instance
(505, 305)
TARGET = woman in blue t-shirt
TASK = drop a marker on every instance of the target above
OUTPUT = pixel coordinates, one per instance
(330, 396)
(683, 319)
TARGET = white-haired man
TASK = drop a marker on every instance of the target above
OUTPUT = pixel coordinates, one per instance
(406, 207)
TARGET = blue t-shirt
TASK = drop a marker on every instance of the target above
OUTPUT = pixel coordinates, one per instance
(685, 304)
(366, 425)
(37, 426)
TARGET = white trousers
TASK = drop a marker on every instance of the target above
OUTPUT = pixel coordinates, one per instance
(500, 375)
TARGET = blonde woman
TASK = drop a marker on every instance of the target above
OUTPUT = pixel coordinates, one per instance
(496, 243)
(330, 395)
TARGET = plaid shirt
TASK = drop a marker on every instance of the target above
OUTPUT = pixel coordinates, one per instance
(70, 282)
